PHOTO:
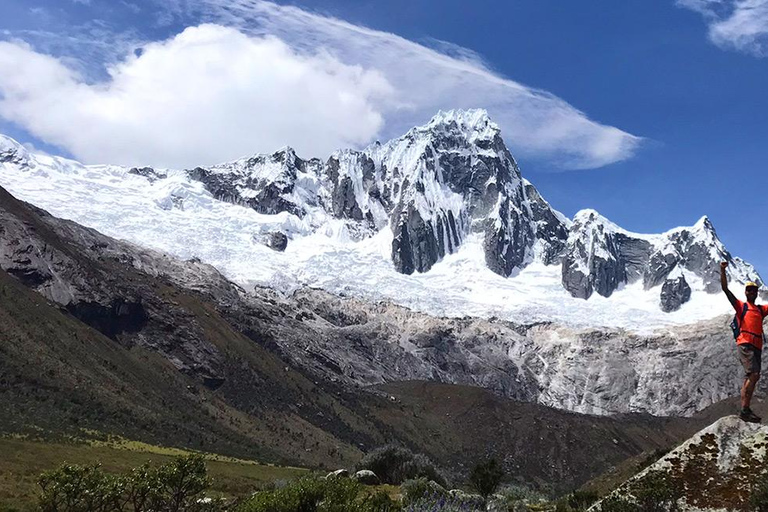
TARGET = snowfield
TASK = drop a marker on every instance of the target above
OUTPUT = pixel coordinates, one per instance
(177, 215)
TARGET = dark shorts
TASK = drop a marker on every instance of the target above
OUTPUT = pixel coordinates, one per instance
(749, 355)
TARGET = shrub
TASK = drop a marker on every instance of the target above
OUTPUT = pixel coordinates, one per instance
(173, 487)
(394, 465)
(73, 488)
(312, 494)
(581, 500)
(418, 489)
(442, 503)
(618, 504)
(486, 477)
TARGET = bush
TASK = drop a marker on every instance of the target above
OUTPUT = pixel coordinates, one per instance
(418, 489)
(444, 503)
(312, 494)
(173, 487)
(486, 477)
(394, 465)
(581, 500)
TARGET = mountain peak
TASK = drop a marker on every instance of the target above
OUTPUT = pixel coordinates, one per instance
(475, 123)
(589, 216)
(11, 151)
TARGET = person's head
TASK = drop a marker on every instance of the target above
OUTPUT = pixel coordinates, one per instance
(750, 289)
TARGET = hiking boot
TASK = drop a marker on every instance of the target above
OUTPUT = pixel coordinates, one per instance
(748, 416)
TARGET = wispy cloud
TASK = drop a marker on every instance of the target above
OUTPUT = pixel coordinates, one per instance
(258, 76)
(735, 24)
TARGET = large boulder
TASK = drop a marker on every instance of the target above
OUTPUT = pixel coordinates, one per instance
(366, 477)
(719, 468)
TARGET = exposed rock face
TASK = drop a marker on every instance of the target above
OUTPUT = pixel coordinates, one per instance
(265, 183)
(674, 293)
(600, 257)
(592, 260)
(357, 343)
(717, 469)
(277, 241)
(148, 172)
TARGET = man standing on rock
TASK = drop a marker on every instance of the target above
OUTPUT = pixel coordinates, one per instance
(749, 343)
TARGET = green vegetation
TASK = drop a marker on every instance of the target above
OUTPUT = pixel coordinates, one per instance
(655, 492)
(486, 477)
(311, 494)
(24, 460)
(394, 465)
(173, 487)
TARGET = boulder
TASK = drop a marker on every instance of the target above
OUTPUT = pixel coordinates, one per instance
(339, 473)
(277, 241)
(464, 499)
(718, 468)
(366, 477)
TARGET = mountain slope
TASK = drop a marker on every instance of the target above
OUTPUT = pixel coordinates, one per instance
(209, 367)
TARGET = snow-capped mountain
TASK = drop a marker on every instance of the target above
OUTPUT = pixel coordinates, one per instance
(439, 219)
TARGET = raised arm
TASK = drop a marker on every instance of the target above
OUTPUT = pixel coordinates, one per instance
(724, 285)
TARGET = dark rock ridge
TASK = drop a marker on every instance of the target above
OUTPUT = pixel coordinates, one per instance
(262, 182)
(600, 257)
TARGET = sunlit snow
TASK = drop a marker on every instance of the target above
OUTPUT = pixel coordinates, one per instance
(179, 216)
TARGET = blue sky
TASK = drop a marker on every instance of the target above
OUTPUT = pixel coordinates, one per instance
(653, 113)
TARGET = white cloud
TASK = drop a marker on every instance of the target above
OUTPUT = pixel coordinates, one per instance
(737, 24)
(281, 75)
(209, 94)
(535, 123)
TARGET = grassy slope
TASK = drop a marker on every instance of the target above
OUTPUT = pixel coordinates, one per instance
(23, 460)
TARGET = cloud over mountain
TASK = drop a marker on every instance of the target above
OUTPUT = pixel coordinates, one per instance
(251, 76)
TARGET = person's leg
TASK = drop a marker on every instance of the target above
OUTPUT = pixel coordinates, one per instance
(748, 389)
(750, 359)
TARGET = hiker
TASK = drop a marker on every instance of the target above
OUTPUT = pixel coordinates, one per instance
(749, 341)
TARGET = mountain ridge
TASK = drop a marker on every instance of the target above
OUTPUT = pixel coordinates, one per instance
(437, 188)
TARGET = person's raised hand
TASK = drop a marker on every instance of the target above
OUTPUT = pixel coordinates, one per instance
(723, 264)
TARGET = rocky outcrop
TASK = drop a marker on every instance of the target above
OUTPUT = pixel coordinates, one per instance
(265, 183)
(592, 260)
(148, 172)
(674, 293)
(600, 257)
(366, 477)
(277, 241)
(717, 469)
